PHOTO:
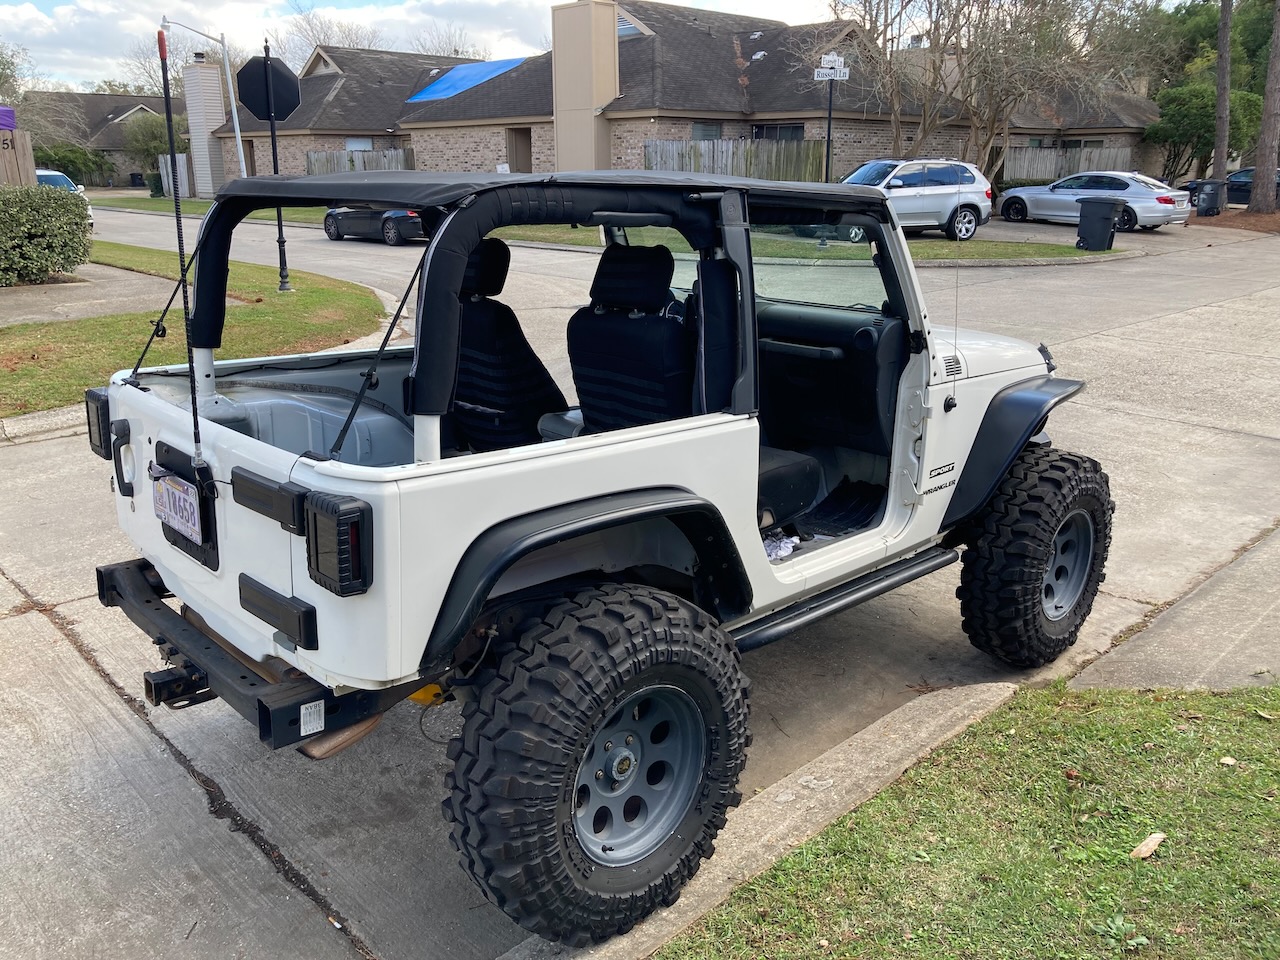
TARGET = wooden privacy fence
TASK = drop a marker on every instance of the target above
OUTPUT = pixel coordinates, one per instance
(347, 161)
(1050, 163)
(17, 168)
(185, 175)
(767, 159)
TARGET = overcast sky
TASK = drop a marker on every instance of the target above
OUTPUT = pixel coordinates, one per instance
(79, 41)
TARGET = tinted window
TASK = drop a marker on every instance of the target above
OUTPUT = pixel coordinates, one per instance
(965, 175)
(1073, 183)
(911, 175)
(59, 180)
(940, 175)
(1113, 184)
(1150, 183)
(871, 174)
(1243, 176)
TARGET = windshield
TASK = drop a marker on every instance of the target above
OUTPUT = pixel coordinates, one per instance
(872, 173)
(59, 180)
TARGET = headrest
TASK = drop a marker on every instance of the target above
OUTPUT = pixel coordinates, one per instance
(486, 269)
(633, 278)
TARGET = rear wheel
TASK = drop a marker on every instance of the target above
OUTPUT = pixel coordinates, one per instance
(1030, 577)
(963, 224)
(596, 766)
(331, 228)
(1014, 210)
(1127, 221)
(391, 234)
(855, 234)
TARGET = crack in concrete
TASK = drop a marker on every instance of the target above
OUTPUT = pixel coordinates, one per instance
(1218, 428)
(220, 807)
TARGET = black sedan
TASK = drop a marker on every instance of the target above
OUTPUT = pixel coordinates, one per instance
(392, 227)
(1239, 186)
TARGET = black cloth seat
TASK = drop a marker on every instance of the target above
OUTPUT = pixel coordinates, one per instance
(632, 357)
(502, 387)
(789, 485)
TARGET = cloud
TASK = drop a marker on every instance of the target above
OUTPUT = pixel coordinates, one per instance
(85, 40)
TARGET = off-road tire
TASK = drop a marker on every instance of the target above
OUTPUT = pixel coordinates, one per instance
(528, 728)
(1003, 577)
(331, 228)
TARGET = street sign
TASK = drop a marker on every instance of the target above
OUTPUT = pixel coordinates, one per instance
(832, 60)
(831, 73)
(252, 82)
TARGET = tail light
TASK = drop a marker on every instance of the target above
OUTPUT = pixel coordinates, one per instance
(339, 543)
(988, 193)
(98, 412)
(1166, 200)
(411, 213)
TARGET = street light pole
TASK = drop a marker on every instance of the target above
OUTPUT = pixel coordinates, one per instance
(221, 40)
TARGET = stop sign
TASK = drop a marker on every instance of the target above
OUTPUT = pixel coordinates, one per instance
(252, 82)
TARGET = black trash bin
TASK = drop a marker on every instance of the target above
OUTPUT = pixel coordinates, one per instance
(1211, 198)
(135, 180)
(1097, 222)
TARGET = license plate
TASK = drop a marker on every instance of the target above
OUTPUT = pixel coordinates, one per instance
(177, 505)
(1181, 204)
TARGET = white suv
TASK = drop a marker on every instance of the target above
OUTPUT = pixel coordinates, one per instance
(948, 195)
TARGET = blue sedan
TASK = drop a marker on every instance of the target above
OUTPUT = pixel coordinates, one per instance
(392, 227)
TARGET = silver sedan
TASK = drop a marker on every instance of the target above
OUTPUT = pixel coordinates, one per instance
(1148, 203)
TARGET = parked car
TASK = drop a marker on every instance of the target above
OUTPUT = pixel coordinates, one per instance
(584, 577)
(1148, 203)
(941, 194)
(1239, 186)
(60, 181)
(392, 227)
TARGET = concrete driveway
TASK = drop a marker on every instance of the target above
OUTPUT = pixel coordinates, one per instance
(140, 833)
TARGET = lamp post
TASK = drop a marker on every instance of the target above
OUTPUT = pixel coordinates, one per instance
(221, 40)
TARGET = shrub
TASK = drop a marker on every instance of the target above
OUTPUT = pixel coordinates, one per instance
(1003, 185)
(42, 231)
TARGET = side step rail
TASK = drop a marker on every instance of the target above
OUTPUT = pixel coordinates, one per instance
(776, 625)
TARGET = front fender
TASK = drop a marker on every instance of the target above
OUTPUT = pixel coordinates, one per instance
(1014, 416)
(495, 550)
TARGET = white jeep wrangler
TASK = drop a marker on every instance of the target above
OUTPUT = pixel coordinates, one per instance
(766, 430)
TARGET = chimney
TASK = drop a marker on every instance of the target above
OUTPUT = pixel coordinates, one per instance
(584, 68)
(206, 111)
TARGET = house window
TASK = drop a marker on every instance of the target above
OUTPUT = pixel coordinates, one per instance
(777, 131)
(1077, 144)
(1035, 141)
(706, 130)
(359, 143)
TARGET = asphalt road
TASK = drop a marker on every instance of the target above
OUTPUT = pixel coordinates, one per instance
(113, 850)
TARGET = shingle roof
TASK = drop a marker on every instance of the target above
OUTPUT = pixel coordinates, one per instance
(102, 113)
(367, 94)
(1074, 108)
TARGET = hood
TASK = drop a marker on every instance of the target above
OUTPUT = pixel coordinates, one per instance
(979, 353)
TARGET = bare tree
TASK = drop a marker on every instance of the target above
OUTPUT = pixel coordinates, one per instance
(305, 29)
(1262, 199)
(447, 39)
(47, 114)
(142, 60)
(1222, 131)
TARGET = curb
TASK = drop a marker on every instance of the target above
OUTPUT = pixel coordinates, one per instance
(796, 808)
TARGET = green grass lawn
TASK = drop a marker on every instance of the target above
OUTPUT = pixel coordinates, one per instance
(1013, 841)
(198, 208)
(46, 365)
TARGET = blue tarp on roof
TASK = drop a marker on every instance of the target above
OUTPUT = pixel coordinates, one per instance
(464, 77)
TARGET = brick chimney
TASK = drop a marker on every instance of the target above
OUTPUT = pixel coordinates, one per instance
(206, 111)
(584, 66)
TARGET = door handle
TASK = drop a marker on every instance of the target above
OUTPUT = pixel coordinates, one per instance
(120, 438)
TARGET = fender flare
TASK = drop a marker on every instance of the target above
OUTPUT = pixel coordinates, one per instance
(1014, 416)
(495, 550)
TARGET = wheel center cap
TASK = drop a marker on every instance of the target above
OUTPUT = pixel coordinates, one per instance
(622, 763)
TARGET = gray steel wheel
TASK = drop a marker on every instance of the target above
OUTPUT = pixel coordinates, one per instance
(963, 225)
(1069, 567)
(639, 775)
(331, 228)
(391, 234)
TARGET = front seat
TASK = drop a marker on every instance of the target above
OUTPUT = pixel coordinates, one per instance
(632, 358)
(502, 387)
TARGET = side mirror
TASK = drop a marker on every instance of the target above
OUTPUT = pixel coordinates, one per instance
(79, 188)
(894, 183)
(1053, 186)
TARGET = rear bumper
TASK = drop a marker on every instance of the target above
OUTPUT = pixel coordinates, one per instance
(284, 711)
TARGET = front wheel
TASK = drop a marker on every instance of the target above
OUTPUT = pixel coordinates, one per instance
(331, 228)
(1127, 221)
(596, 766)
(963, 224)
(1014, 210)
(1030, 576)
